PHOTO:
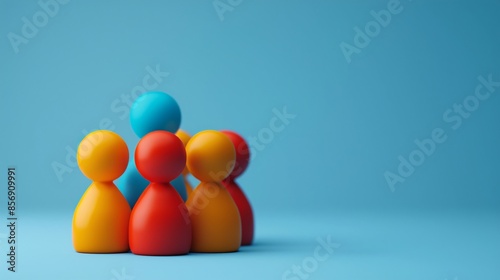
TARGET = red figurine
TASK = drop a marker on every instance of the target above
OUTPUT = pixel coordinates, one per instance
(159, 222)
(244, 207)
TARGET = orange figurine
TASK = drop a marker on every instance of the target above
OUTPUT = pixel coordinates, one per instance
(101, 218)
(214, 215)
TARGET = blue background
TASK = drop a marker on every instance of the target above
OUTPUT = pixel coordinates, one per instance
(323, 174)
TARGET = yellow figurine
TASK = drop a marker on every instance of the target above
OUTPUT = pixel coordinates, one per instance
(101, 218)
(214, 216)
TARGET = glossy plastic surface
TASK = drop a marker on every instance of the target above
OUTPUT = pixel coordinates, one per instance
(101, 218)
(159, 223)
(239, 197)
(154, 111)
(214, 215)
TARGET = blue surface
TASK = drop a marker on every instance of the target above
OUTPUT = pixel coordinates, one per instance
(411, 246)
(326, 129)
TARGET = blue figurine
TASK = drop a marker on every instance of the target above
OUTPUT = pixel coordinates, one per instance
(150, 112)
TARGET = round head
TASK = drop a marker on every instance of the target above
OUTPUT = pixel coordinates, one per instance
(184, 136)
(242, 153)
(210, 156)
(102, 156)
(160, 156)
(154, 111)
